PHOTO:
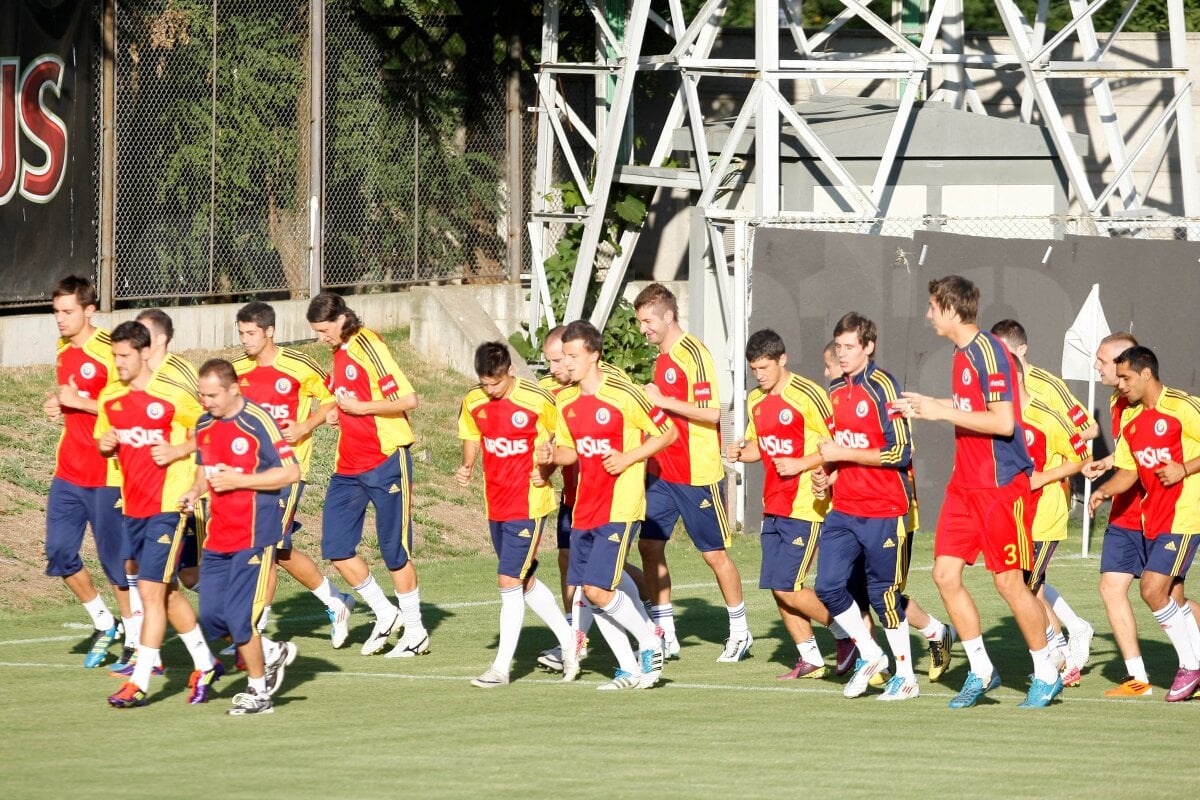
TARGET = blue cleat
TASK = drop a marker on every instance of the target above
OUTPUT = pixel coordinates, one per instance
(101, 641)
(1041, 693)
(974, 688)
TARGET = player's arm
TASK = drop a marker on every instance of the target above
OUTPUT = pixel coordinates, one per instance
(744, 451)
(1090, 432)
(615, 463)
(683, 408)
(165, 453)
(396, 407)
(224, 479)
(1094, 469)
(996, 419)
(470, 452)
(1051, 476)
(187, 503)
(1122, 481)
(68, 396)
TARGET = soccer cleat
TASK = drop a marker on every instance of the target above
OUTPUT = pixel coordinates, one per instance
(939, 654)
(101, 641)
(736, 648)
(491, 679)
(274, 671)
(671, 647)
(128, 696)
(899, 689)
(231, 650)
(552, 659)
(1130, 687)
(972, 689)
(126, 670)
(251, 702)
(847, 654)
(803, 669)
(414, 642)
(621, 680)
(1042, 693)
(863, 671)
(384, 628)
(340, 621)
(581, 643)
(651, 661)
(570, 669)
(1071, 676)
(1080, 645)
(1185, 684)
(201, 681)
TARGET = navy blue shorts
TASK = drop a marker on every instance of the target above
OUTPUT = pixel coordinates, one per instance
(1171, 553)
(69, 510)
(1042, 553)
(598, 554)
(193, 540)
(157, 545)
(702, 509)
(516, 545)
(1124, 550)
(789, 551)
(563, 532)
(233, 591)
(880, 543)
(388, 487)
(291, 503)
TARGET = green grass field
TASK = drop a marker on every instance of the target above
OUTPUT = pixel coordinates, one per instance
(348, 726)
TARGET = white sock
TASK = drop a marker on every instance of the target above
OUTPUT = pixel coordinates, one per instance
(977, 655)
(1043, 667)
(202, 657)
(102, 618)
(135, 599)
(621, 611)
(1136, 669)
(133, 629)
(582, 619)
(512, 616)
(263, 618)
(372, 594)
(852, 623)
(935, 630)
(1051, 636)
(664, 617)
(1174, 624)
(810, 652)
(259, 685)
(617, 641)
(325, 594)
(630, 588)
(837, 630)
(147, 657)
(410, 607)
(901, 648)
(270, 649)
(1190, 626)
(541, 601)
(1062, 609)
(737, 621)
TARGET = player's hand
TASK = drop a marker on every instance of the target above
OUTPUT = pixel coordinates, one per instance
(830, 452)
(537, 479)
(913, 405)
(655, 395)
(733, 451)
(291, 431)
(462, 475)
(1094, 469)
(615, 462)
(820, 483)
(187, 503)
(331, 419)
(544, 453)
(1094, 502)
(51, 408)
(68, 394)
(109, 441)
(350, 405)
(1170, 473)
(164, 453)
(787, 467)
(222, 478)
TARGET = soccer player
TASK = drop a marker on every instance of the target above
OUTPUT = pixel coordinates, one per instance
(600, 424)
(1053, 392)
(287, 383)
(145, 422)
(1160, 447)
(509, 417)
(786, 417)
(246, 468)
(86, 488)
(1124, 550)
(374, 465)
(988, 507)
(685, 479)
(1058, 452)
(870, 452)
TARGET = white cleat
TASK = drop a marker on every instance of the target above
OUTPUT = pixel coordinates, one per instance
(414, 642)
(490, 679)
(340, 621)
(864, 670)
(552, 659)
(379, 634)
(620, 680)
(274, 671)
(651, 662)
(736, 649)
(899, 689)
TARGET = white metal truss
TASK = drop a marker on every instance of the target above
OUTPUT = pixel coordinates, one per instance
(938, 62)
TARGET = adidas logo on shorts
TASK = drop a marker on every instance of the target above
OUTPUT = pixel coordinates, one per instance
(888, 543)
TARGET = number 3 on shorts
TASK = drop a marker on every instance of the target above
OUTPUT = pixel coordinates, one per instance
(1010, 555)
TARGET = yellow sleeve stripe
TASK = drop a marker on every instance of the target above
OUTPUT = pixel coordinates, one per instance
(1184, 398)
(370, 349)
(695, 351)
(303, 361)
(885, 392)
(638, 397)
(1054, 384)
(815, 395)
(242, 364)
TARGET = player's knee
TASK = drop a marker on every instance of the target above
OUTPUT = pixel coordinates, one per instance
(946, 578)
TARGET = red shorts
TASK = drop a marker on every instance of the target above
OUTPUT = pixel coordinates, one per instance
(996, 522)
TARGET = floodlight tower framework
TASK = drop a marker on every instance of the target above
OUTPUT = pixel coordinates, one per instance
(937, 62)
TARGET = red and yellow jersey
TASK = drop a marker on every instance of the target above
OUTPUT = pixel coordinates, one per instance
(789, 425)
(91, 368)
(162, 413)
(1051, 390)
(861, 421)
(612, 419)
(248, 442)
(1152, 436)
(1126, 509)
(508, 431)
(287, 389)
(686, 373)
(363, 368)
(984, 372)
(1051, 441)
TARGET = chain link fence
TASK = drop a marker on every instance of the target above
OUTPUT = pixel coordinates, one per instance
(1043, 227)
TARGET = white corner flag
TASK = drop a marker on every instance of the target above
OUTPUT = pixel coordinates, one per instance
(1078, 364)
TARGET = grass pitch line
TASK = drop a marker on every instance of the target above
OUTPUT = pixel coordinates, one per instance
(71, 638)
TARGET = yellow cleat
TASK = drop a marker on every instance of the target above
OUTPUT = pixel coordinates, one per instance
(939, 654)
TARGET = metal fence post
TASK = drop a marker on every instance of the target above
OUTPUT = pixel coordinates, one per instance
(108, 155)
(515, 159)
(316, 158)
